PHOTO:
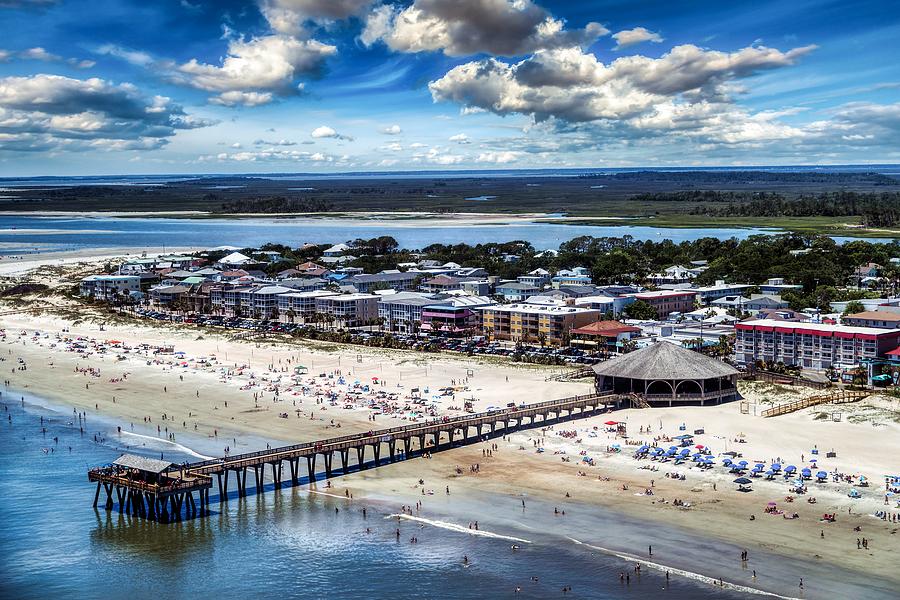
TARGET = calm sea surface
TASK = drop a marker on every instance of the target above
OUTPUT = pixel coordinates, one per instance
(292, 543)
(20, 234)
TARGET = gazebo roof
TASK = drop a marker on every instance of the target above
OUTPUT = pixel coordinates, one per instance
(141, 463)
(663, 360)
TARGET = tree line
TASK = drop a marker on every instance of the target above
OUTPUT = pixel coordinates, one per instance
(875, 209)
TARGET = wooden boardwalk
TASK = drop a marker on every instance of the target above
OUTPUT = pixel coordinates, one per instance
(835, 397)
(164, 499)
(572, 375)
(783, 379)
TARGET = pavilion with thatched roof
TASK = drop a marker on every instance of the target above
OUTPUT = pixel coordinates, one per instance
(666, 374)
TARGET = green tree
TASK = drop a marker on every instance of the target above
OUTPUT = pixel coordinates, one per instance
(641, 310)
(853, 307)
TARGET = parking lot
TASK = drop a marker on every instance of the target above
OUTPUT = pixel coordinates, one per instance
(476, 345)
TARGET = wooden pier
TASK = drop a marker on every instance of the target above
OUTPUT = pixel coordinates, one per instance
(158, 490)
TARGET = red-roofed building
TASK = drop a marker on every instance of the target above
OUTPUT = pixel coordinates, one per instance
(603, 336)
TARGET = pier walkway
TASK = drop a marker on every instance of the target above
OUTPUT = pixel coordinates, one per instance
(158, 490)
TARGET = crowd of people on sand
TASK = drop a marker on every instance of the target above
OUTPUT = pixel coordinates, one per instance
(281, 382)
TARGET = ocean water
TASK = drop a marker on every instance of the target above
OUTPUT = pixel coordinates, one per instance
(292, 543)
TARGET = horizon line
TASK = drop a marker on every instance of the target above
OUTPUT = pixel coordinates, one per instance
(475, 171)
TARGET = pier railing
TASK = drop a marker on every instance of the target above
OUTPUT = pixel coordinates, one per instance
(837, 397)
(419, 428)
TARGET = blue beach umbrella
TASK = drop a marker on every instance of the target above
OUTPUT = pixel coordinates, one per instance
(776, 467)
(821, 475)
(790, 469)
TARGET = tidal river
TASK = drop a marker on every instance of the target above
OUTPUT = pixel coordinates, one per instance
(293, 543)
(19, 234)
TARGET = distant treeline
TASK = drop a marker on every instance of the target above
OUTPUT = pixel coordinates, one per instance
(748, 177)
(272, 204)
(876, 210)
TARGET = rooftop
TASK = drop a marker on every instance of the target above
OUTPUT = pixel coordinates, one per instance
(141, 463)
(606, 329)
(664, 361)
(526, 308)
(664, 294)
(816, 327)
(876, 315)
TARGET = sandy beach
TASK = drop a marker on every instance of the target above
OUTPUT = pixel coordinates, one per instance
(239, 394)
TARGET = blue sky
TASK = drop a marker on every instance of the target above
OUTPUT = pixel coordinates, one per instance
(172, 86)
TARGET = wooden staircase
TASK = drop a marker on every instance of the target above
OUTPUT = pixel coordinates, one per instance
(834, 397)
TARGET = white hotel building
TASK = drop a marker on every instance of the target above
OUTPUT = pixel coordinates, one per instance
(815, 346)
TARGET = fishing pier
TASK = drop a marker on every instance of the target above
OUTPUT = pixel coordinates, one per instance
(162, 491)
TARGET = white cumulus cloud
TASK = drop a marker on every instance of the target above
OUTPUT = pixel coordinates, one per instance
(254, 71)
(638, 35)
(50, 112)
(324, 131)
(465, 27)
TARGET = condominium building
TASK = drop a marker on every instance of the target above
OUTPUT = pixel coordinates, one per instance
(349, 310)
(668, 301)
(532, 322)
(721, 289)
(402, 312)
(811, 345)
(882, 319)
(396, 281)
(297, 307)
(455, 316)
(109, 286)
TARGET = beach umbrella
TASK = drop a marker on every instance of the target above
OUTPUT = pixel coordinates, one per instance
(790, 469)
(726, 462)
(822, 475)
(700, 446)
(742, 463)
(806, 473)
(743, 481)
(776, 467)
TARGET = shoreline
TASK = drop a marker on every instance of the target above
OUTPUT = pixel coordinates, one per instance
(463, 219)
(443, 518)
(508, 473)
